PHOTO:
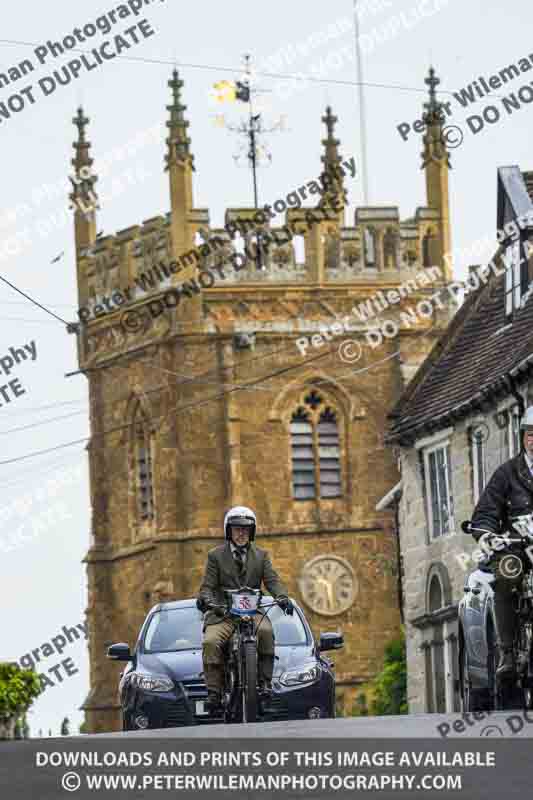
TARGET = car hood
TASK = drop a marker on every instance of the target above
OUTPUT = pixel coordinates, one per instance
(182, 666)
(187, 664)
(292, 657)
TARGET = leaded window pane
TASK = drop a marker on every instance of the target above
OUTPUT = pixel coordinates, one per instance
(315, 451)
(434, 494)
(303, 467)
(144, 472)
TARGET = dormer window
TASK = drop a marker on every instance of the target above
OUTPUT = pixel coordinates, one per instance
(514, 231)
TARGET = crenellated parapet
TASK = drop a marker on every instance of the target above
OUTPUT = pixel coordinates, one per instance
(310, 246)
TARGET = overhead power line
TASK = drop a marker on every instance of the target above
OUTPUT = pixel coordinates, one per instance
(176, 409)
(234, 70)
(43, 422)
(35, 302)
(198, 403)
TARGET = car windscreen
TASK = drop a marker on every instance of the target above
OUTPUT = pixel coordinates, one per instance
(175, 629)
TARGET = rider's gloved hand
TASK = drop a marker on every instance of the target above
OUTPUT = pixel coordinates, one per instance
(201, 605)
(286, 605)
(219, 611)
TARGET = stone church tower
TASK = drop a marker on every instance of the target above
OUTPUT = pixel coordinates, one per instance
(206, 401)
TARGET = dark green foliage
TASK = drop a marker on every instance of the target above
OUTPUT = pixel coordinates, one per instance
(390, 686)
(388, 690)
(360, 708)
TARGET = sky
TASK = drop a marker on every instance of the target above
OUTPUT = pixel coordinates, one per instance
(44, 498)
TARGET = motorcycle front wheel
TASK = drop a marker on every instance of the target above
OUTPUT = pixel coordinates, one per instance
(249, 693)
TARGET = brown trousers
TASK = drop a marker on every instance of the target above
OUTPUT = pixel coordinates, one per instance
(216, 635)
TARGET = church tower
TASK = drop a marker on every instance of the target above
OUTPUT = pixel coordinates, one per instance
(226, 381)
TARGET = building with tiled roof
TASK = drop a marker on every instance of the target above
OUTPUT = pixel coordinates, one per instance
(456, 422)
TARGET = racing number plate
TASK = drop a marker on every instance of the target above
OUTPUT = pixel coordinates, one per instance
(244, 603)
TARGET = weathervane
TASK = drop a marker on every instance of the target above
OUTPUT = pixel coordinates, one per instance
(253, 151)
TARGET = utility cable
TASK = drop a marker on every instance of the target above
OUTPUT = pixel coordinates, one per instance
(43, 422)
(34, 301)
(238, 70)
(162, 416)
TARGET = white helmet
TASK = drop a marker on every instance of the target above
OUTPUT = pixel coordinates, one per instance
(241, 516)
(526, 423)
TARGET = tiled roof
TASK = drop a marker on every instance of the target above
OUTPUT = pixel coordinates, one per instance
(476, 352)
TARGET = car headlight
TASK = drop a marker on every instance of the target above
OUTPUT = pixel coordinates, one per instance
(296, 677)
(152, 683)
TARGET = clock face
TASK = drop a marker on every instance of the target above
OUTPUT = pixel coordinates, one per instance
(328, 585)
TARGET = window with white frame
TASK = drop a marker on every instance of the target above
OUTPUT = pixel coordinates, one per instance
(439, 497)
(478, 451)
(515, 277)
(512, 432)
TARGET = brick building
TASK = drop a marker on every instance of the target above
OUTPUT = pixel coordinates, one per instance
(212, 404)
(456, 423)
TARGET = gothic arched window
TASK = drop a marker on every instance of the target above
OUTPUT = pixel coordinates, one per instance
(440, 645)
(315, 446)
(143, 465)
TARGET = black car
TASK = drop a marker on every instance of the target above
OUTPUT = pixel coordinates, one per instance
(163, 685)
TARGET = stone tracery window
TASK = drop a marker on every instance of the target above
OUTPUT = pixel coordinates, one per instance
(143, 465)
(315, 447)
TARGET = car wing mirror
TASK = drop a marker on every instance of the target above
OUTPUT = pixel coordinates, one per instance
(119, 652)
(331, 641)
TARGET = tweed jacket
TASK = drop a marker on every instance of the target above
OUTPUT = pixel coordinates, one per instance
(221, 573)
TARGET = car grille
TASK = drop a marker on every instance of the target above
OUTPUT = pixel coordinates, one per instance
(174, 714)
(195, 689)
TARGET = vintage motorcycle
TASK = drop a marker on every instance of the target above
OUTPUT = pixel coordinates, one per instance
(241, 697)
(510, 555)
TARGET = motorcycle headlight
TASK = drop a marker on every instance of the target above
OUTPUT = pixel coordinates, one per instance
(298, 677)
(152, 683)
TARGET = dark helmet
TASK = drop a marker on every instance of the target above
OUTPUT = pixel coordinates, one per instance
(241, 517)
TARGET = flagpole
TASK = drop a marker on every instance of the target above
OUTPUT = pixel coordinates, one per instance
(253, 151)
(362, 115)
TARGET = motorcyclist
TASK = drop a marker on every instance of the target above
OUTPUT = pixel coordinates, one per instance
(508, 494)
(237, 563)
